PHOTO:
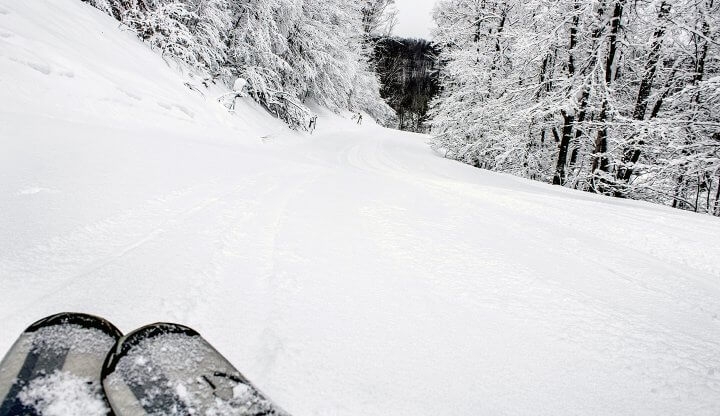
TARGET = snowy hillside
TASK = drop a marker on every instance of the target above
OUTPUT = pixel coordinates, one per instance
(352, 272)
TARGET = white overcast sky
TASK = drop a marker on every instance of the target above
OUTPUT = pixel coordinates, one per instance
(414, 18)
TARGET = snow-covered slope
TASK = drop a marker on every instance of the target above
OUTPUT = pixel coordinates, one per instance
(349, 273)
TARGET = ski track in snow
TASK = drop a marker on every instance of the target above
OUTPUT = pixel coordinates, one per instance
(351, 272)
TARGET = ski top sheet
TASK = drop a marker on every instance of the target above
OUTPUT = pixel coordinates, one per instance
(55, 365)
(169, 369)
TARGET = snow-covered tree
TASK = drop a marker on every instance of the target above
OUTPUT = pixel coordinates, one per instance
(379, 17)
(474, 116)
(192, 31)
(608, 96)
(287, 51)
(258, 41)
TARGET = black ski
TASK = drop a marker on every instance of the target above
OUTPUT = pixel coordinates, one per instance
(55, 367)
(169, 369)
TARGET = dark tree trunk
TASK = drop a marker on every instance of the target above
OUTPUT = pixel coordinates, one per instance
(708, 187)
(666, 91)
(717, 199)
(697, 193)
(568, 121)
(600, 160)
(651, 65)
(585, 97)
(498, 49)
(700, 64)
(632, 155)
(677, 202)
(543, 76)
(697, 77)
(582, 112)
(568, 118)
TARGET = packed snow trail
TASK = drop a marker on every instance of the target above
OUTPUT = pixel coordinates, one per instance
(353, 272)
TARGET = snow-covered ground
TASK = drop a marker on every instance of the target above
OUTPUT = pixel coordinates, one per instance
(353, 272)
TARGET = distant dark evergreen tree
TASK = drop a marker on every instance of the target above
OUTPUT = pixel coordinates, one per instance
(408, 74)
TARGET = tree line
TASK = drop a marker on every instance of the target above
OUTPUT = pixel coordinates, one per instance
(286, 51)
(616, 97)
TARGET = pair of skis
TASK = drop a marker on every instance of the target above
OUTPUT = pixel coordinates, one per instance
(77, 364)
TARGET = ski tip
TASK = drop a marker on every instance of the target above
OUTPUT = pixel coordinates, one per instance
(124, 344)
(80, 319)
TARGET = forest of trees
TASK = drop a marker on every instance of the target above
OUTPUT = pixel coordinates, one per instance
(286, 51)
(610, 96)
(408, 78)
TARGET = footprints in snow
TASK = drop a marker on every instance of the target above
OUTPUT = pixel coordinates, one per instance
(40, 67)
(130, 94)
(171, 107)
(175, 110)
(122, 100)
(45, 68)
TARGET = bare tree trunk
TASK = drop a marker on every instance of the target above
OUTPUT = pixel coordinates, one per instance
(568, 121)
(632, 155)
(666, 91)
(717, 199)
(498, 49)
(544, 86)
(708, 186)
(585, 97)
(568, 118)
(582, 111)
(697, 77)
(677, 202)
(700, 66)
(544, 83)
(600, 161)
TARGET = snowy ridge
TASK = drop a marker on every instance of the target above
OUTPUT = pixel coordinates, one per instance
(351, 272)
